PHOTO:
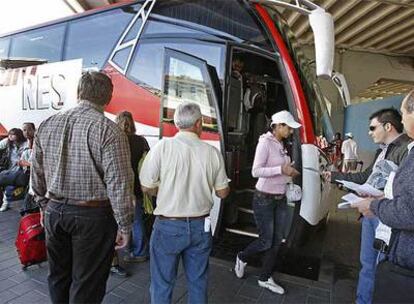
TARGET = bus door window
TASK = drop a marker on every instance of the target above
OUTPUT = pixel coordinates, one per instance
(143, 92)
(187, 79)
(146, 68)
(45, 43)
(4, 47)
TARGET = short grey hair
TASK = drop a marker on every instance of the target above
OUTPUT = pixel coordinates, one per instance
(186, 115)
(409, 102)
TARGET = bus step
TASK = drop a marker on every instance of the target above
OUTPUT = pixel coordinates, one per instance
(243, 230)
(245, 210)
(244, 204)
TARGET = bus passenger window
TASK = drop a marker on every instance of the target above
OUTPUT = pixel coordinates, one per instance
(4, 47)
(95, 44)
(146, 68)
(121, 57)
(45, 43)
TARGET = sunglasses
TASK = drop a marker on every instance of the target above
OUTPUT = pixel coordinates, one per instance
(373, 128)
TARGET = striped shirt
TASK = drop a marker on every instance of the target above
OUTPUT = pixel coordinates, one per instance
(82, 155)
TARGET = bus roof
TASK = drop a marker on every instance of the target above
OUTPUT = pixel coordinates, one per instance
(72, 17)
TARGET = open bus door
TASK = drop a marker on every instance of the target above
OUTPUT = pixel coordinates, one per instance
(255, 89)
(187, 78)
(284, 84)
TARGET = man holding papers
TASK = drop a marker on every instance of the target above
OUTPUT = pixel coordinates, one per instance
(386, 129)
(394, 282)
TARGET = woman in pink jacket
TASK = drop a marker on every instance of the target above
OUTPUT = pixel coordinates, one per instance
(273, 168)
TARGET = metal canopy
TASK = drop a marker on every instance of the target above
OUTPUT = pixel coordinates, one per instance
(384, 88)
(379, 26)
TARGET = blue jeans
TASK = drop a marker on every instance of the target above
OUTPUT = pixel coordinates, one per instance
(270, 215)
(369, 258)
(139, 244)
(170, 241)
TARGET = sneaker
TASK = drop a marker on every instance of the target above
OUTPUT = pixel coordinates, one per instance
(239, 267)
(272, 286)
(4, 207)
(119, 271)
(135, 259)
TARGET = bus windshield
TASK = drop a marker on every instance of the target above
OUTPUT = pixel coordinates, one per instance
(240, 23)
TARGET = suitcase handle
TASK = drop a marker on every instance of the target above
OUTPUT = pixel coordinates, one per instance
(30, 228)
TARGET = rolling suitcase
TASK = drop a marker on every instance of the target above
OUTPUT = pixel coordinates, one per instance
(30, 241)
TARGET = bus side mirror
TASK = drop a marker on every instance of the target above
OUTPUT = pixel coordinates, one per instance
(342, 86)
(324, 36)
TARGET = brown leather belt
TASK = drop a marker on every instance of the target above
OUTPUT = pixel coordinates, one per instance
(103, 203)
(189, 218)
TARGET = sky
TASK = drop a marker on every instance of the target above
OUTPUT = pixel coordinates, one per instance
(18, 14)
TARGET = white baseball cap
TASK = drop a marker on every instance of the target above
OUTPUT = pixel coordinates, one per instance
(349, 134)
(286, 118)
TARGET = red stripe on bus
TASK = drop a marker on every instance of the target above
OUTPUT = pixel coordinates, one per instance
(306, 132)
(128, 96)
(3, 131)
(33, 70)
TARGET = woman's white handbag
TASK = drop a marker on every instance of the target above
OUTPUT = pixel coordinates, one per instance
(293, 192)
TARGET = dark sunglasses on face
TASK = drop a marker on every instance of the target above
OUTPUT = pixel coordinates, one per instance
(373, 128)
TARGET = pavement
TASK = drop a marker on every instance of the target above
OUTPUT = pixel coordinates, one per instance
(336, 283)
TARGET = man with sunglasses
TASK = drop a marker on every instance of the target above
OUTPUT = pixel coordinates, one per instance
(394, 282)
(385, 129)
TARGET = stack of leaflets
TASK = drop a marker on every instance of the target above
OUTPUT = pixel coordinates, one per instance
(365, 190)
(348, 200)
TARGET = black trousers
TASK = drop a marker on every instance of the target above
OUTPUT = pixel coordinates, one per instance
(15, 177)
(393, 284)
(80, 245)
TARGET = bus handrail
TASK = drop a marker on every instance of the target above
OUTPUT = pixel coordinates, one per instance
(144, 13)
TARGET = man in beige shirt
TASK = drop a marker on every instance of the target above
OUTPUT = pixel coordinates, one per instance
(183, 171)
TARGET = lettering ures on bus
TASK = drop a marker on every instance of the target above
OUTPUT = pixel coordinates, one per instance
(42, 91)
(37, 92)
